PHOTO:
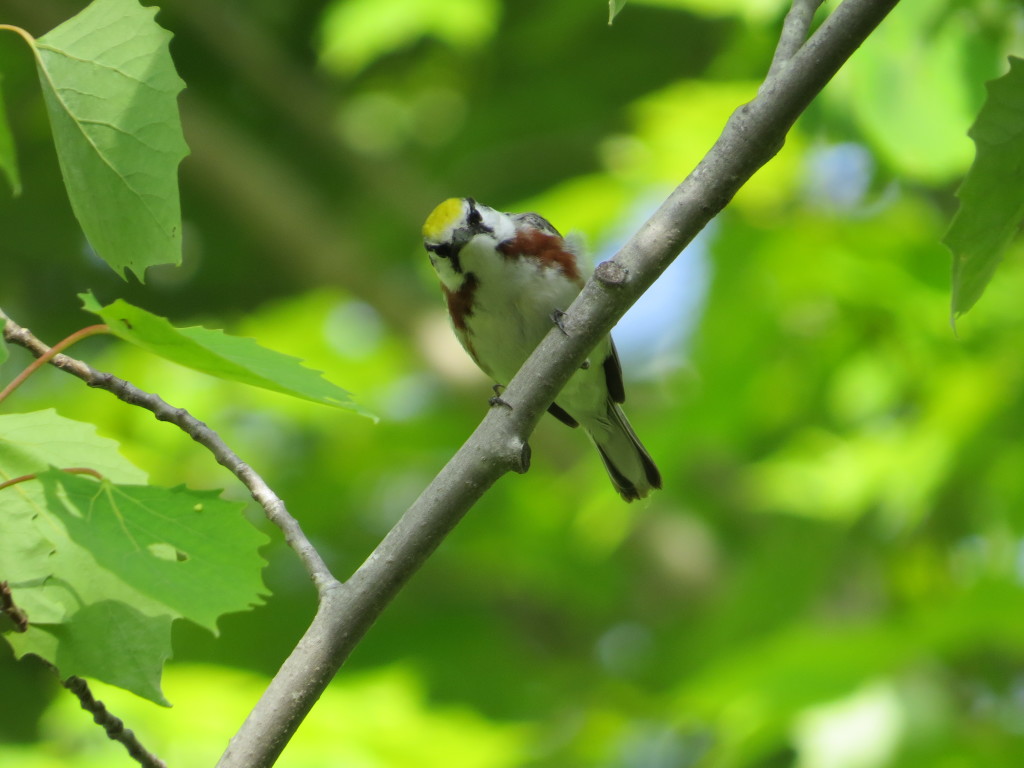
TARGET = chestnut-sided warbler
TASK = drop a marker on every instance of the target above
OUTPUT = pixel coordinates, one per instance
(506, 277)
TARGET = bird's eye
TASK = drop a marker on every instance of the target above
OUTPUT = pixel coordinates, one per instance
(444, 250)
(473, 217)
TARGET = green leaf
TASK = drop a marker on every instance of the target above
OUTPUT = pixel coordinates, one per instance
(992, 194)
(29, 444)
(111, 93)
(33, 442)
(614, 6)
(191, 551)
(103, 569)
(4, 352)
(8, 155)
(214, 352)
(107, 640)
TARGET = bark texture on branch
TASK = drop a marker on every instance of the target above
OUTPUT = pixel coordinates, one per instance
(752, 136)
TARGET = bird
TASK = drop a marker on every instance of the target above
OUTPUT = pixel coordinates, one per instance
(506, 278)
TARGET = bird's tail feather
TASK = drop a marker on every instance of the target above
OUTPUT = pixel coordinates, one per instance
(630, 467)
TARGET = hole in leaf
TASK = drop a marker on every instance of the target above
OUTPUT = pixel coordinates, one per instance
(165, 551)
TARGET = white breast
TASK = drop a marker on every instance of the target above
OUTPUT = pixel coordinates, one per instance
(513, 307)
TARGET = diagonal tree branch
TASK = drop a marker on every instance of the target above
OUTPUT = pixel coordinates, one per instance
(752, 136)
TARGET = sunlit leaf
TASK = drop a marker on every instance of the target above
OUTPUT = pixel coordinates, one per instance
(170, 544)
(992, 194)
(111, 93)
(218, 354)
(32, 442)
(29, 444)
(102, 569)
(8, 154)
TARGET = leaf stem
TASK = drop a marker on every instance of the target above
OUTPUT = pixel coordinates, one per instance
(34, 475)
(43, 359)
(24, 34)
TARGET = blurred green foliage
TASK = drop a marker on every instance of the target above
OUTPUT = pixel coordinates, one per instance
(991, 196)
(832, 577)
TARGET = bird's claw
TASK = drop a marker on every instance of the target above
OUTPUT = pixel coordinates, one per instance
(556, 318)
(496, 400)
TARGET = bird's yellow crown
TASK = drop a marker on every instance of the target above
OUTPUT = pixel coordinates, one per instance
(441, 218)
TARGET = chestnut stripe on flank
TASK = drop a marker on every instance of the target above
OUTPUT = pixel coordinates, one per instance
(460, 302)
(460, 306)
(547, 249)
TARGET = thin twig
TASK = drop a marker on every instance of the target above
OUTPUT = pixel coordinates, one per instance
(272, 505)
(42, 360)
(10, 610)
(795, 29)
(114, 726)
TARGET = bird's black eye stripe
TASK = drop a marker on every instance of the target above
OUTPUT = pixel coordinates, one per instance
(444, 250)
(473, 217)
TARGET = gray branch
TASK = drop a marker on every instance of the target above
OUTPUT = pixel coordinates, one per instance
(752, 136)
(795, 29)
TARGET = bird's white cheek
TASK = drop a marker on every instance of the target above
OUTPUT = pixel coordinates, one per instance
(451, 279)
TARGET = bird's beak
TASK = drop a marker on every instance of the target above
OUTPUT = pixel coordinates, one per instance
(462, 236)
(450, 248)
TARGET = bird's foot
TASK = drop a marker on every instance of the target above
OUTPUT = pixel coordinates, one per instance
(557, 316)
(496, 400)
